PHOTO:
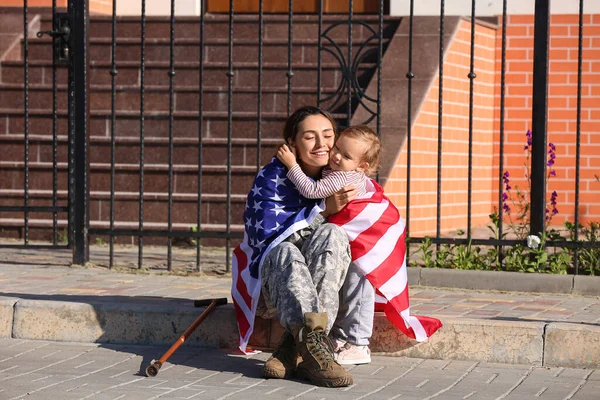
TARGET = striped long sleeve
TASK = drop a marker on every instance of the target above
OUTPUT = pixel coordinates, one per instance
(331, 182)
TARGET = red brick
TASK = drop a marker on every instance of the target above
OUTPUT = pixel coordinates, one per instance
(559, 30)
(522, 43)
(560, 54)
(569, 19)
(520, 19)
(520, 66)
(563, 66)
(515, 30)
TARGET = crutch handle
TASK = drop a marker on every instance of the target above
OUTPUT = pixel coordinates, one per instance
(207, 302)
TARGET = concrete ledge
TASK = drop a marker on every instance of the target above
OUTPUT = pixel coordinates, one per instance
(499, 280)
(6, 316)
(509, 342)
(121, 323)
(586, 285)
(572, 345)
(466, 339)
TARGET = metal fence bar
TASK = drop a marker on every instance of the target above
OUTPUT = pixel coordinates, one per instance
(230, 74)
(26, 120)
(290, 72)
(54, 141)
(379, 65)
(79, 124)
(171, 74)
(472, 77)
(409, 75)
(440, 126)
(540, 114)
(349, 78)
(142, 126)
(259, 94)
(319, 57)
(502, 117)
(200, 130)
(113, 75)
(578, 145)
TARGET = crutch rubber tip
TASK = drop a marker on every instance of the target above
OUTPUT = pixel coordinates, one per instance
(153, 369)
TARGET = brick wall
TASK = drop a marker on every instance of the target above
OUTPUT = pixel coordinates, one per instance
(455, 140)
(562, 103)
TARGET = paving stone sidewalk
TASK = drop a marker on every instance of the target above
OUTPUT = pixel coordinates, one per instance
(40, 370)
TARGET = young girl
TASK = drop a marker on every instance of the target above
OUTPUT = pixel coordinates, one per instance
(354, 156)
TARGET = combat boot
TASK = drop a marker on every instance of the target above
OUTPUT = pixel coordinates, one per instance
(318, 364)
(284, 360)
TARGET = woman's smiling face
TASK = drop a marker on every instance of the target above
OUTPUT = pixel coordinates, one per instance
(313, 141)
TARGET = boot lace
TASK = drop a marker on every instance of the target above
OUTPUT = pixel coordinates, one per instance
(320, 345)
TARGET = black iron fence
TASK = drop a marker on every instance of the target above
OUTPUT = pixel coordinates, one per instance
(358, 53)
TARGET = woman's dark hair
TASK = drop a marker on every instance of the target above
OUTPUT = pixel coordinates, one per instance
(293, 122)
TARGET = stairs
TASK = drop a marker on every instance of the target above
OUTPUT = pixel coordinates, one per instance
(156, 116)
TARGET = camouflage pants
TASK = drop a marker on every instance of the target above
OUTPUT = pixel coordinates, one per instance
(305, 274)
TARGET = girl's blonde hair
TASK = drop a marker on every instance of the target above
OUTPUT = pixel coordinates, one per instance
(368, 136)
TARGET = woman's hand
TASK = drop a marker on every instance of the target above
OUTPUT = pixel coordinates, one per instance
(338, 200)
(286, 155)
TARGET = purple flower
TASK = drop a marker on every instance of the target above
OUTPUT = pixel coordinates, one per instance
(550, 162)
(553, 173)
(506, 208)
(506, 181)
(529, 135)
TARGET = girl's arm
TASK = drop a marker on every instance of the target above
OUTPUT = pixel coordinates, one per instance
(319, 189)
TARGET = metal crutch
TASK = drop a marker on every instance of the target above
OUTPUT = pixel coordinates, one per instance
(154, 366)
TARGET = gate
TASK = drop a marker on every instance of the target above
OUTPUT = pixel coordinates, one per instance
(68, 33)
(340, 57)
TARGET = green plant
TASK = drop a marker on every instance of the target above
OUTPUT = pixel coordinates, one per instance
(588, 258)
(99, 241)
(443, 257)
(467, 257)
(427, 253)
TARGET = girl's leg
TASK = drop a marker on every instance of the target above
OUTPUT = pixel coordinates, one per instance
(354, 321)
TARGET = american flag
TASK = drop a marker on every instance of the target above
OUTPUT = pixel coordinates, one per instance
(377, 236)
(275, 209)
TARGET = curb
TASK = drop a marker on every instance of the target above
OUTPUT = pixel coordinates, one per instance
(504, 281)
(509, 342)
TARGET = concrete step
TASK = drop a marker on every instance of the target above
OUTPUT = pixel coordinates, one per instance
(213, 209)
(156, 123)
(245, 26)
(127, 150)
(157, 98)
(216, 50)
(214, 177)
(186, 74)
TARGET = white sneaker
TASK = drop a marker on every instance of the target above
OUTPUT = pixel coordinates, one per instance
(339, 345)
(352, 354)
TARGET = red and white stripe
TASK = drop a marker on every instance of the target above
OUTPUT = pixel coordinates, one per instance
(377, 236)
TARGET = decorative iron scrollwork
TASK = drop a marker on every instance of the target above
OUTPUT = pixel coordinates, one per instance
(352, 85)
